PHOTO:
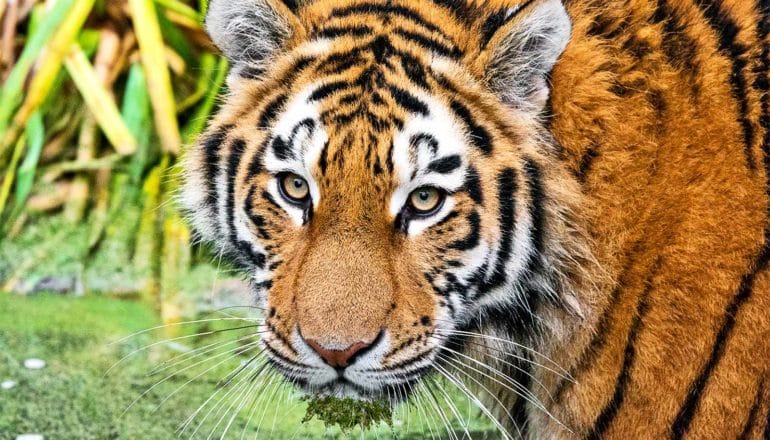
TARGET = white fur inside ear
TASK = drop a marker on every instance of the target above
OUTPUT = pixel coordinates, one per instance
(249, 32)
(521, 61)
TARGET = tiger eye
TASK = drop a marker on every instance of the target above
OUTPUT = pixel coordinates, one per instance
(294, 188)
(426, 199)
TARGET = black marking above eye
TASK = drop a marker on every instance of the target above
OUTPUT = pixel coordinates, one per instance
(445, 165)
(408, 101)
(340, 31)
(479, 136)
(281, 148)
(473, 185)
(327, 89)
(425, 139)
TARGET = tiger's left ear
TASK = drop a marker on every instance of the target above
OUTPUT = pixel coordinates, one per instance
(523, 46)
(251, 33)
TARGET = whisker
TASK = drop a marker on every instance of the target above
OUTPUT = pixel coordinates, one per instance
(453, 408)
(515, 344)
(519, 389)
(198, 352)
(449, 376)
(442, 416)
(140, 332)
(245, 348)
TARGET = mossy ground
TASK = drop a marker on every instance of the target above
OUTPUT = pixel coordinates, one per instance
(72, 398)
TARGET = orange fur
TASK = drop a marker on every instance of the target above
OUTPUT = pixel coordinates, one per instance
(655, 204)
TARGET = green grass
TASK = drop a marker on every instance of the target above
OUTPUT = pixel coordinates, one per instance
(73, 398)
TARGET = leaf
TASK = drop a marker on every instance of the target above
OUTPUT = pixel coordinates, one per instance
(35, 132)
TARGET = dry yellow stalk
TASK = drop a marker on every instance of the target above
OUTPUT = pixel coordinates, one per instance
(99, 101)
(155, 66)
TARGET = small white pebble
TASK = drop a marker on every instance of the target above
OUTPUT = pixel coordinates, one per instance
(7, 384)
(30, 437)
(34, 364)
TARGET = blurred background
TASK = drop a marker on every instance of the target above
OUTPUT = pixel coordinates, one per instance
(113, 323)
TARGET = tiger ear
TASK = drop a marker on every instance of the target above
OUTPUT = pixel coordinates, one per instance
(251, 32)
(523, 45)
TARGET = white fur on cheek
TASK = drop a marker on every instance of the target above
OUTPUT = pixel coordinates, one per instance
(451, 140)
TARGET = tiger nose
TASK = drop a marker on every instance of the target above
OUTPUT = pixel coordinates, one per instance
(338, 358)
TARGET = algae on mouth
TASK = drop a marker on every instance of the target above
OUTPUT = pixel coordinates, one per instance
(348, 413)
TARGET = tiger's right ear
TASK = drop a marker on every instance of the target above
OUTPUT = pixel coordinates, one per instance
(252, 32)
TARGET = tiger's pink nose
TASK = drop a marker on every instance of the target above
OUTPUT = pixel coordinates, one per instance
(338, 358)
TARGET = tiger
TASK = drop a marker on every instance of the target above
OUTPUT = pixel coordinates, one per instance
(560, 207)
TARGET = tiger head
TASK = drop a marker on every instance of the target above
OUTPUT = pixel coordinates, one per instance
(383, 174)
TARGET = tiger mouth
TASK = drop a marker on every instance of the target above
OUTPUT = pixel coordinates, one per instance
(359, 382)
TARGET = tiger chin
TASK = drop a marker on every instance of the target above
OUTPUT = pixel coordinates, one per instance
(525, 198)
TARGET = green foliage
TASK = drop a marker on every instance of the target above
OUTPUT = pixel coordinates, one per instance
(348, 413)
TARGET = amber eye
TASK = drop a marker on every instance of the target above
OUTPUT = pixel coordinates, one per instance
(294, 188)
(426, 200)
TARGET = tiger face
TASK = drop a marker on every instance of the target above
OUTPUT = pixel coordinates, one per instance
(380, 171)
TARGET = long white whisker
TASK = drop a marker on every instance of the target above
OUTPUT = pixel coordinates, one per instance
(477, 401)
(177, 323)
(517, 387)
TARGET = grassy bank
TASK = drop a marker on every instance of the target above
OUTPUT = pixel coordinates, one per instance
(73, 398)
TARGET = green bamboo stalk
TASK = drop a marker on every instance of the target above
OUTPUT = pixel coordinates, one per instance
(181, 9)
(175, 262)
(147, 247)
(12, 90)
(99, 101)
(10, 174)
(203, 112)
(66, 30)
(153, 57)
(27, 170)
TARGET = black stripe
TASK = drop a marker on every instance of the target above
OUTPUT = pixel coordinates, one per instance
(327, 89)
(269, 197)
(408, 101)
(497, 20)
(413, 69)
(270, 112)
(537, 204)
(751, 420)
(519, 411)
(479, 135)
(473, 238)
(687, 411)
(681, 50)
(211, 146)
(340, 31)
(727, 31)
(600, 334)
(491, 25)
(389, 158)
(323, 163)
(472, 185)
(445, 165)
(281, 148)
(506, 199)
(384, 9)
(237, 148)
(428, 43)
(767, 426)
(606, 417)
(255, 167)
(586, 162)
(762, 83)
(424, 139)
(341, 61)
(299, 66)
